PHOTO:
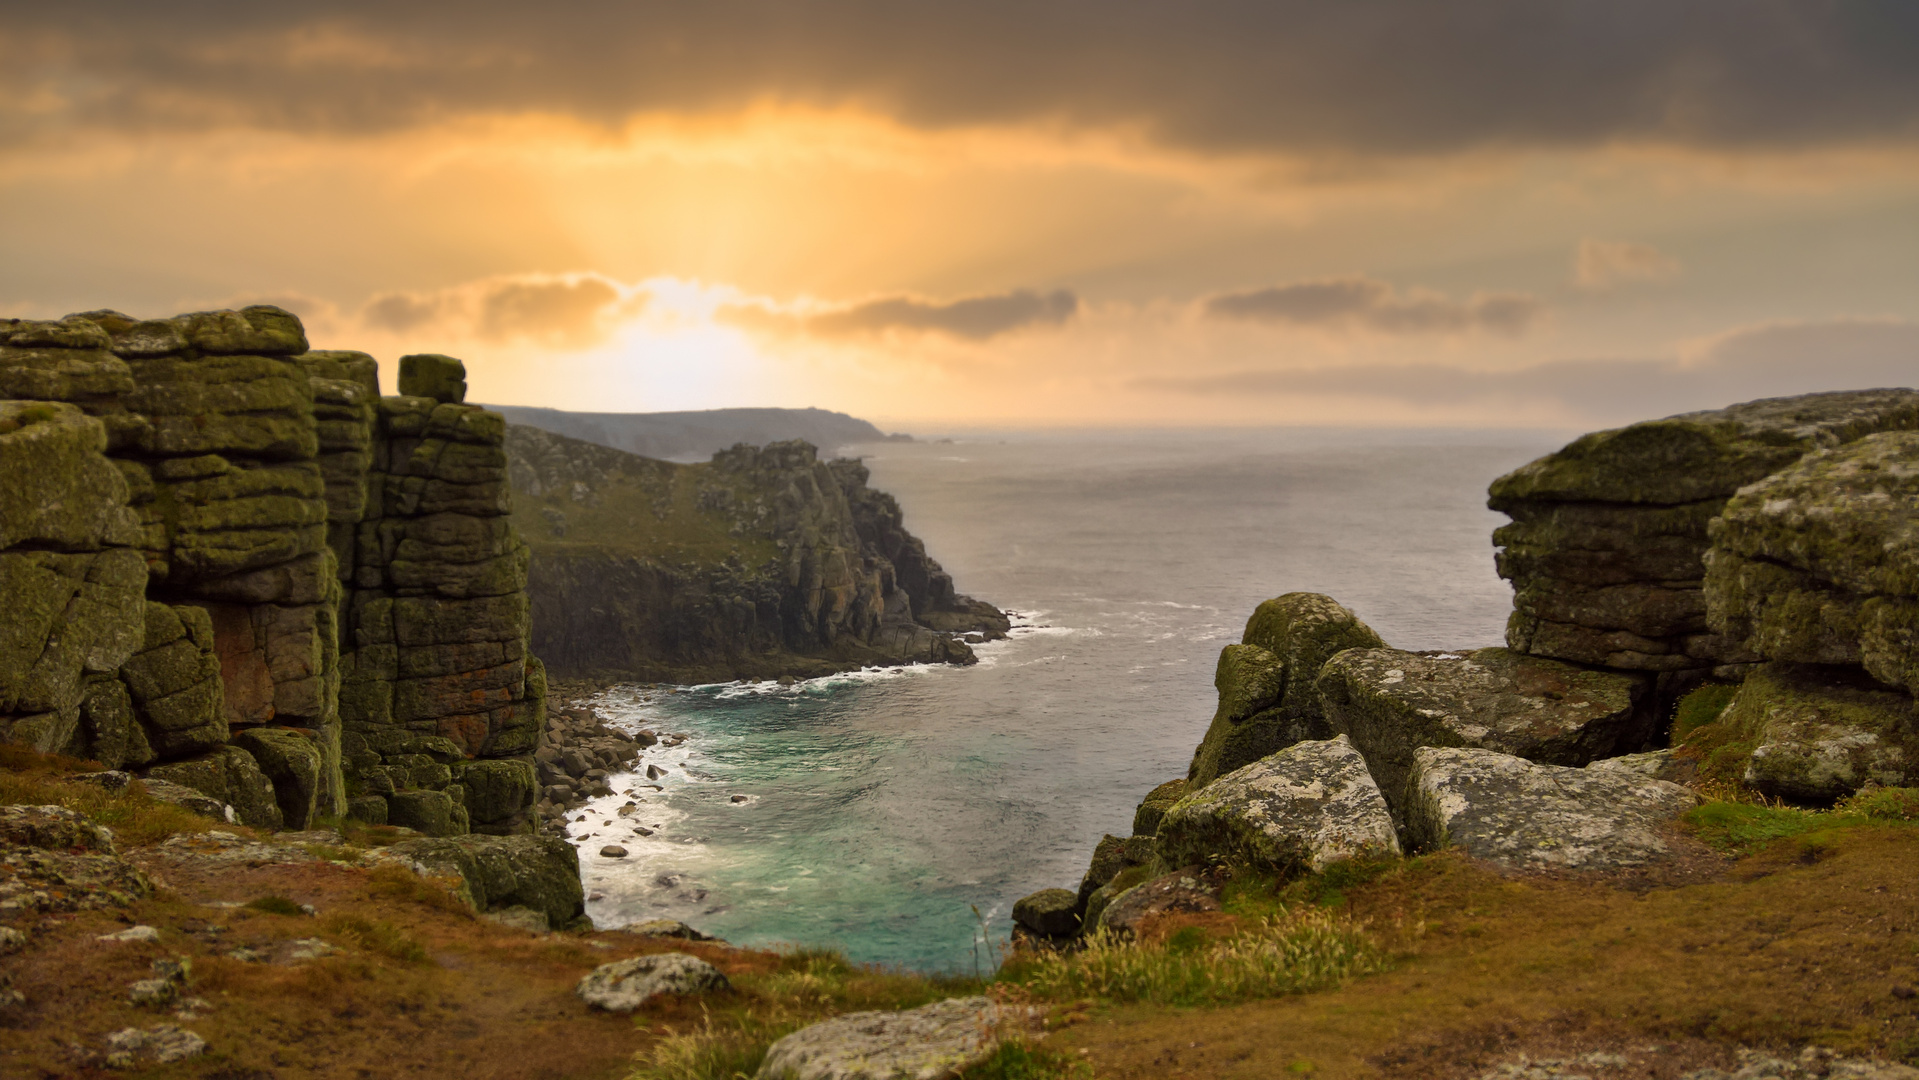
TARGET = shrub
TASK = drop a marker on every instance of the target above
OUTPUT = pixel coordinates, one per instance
(1883, 803)
(1303, 949)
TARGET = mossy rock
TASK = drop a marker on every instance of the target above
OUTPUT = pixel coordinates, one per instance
(61, 491)
(259, 328)
(538, 872)
(1812, 735)
(434, 813)
(498, 792)
(431, 375)
(1297, 811)
(293, 762)
(1050, 913)
(1155, 804)
(67, 616)
(232, 776)
(1112, 856)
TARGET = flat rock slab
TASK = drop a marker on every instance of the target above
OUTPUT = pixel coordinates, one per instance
(1309, 805)
(1177, 893)
(1526, 816)
(1391, 703)
(625, 985)
(932, 1042)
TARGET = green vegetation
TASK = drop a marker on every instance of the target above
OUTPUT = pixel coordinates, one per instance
(136, 818)
(680, 514)
(377, 936)
(1701, 707)
(1016, 1060)
(276, 905)
(1298, 950)
(1883, 803)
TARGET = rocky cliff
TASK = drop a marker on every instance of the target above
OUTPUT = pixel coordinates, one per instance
(698, 435)
(231, 564)
(1727, 599)
(763, 562)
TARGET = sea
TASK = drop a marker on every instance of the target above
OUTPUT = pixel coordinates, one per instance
(896, 814)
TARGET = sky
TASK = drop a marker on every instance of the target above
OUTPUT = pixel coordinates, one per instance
(935, 214)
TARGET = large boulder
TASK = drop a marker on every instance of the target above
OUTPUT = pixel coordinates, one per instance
(292, 760)
(1267, 699)
(1607, 543)
(1391, 703)
(499, 793)
(1819, 562)
(1177, 893)
(232, 776)
(942, 1039)
(537, 872)
(625, 985)
(1527, 816)
(1819, 733)
(1309, 805)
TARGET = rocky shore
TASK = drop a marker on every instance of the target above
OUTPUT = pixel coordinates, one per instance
(1717, 601)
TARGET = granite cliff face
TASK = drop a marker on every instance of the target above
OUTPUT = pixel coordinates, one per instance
(1729, 596)
(762, 562)
(232, 564)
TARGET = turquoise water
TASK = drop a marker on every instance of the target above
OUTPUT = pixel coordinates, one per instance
(898, 814)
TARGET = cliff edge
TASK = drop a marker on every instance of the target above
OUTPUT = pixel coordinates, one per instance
(761, 563)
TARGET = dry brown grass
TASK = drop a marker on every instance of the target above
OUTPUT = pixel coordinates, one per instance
(136, 818)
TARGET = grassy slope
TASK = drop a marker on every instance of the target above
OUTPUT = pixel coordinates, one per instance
(653, 513)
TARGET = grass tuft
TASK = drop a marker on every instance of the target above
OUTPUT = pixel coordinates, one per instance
(1701, 707)
(276, 905)
(377, 936)
(1739, 828)
(1301, 949)
(1883, 803)
(1018, 1060)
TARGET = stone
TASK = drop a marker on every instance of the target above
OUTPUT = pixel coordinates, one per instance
(1819, 562)
(260, 328)
(163, 1043)
(229, 775)
(1177, 893)
(1822, 734)
(1111, 856)
(292, 761)
(187, 798)
(668, 928)
(1527, 816)
(68, 616)
(1606, 550)
(431, 375)
(61, 490)
(131, 933)
(939, 1040)
(57, 860)
(612, 851)
(1153, 807)
(625, 985)
(431, 812)
(11, 940)
(498, 792)
(1304, 630)
(520, 918)
(1296, 811)
(1391, 703)
(216, 849)
(1052, 913)
(538, 872)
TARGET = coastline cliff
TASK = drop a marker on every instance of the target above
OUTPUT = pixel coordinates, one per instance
(761, 563)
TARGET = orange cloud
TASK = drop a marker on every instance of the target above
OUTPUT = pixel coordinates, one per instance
(571, 312)
(1601, 264)
(972, 318)
(1360, 302)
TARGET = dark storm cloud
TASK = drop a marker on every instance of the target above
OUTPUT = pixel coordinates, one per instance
(1360, 75)
(1373, 304)
(974, 318)
(1764, 361)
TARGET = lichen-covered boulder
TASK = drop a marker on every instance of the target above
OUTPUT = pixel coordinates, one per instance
(174, 681)
(1819, 563)
(292, 761)
(232, 776)
(1177, 893)
(538, 872)
(1111, 856)
(625, 985)
(1050, 913)
(1820, 733)
(53, 860)
(1391, 703)
(1605, 550)
(499, 793)
(61, 491)
(431, 375)
(435, 813)
(1309, 805)
(1153, 807)
(938, 1040)
(1527, 816)
(1267, 699)
(67, 616)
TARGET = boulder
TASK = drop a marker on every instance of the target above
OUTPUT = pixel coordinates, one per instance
(57, 860)
(1297, 811)
(1607, 543)
(1154, 806)
(1050, 913)
(187, 798)
(1391, 703)
(61, 490)
(667, 928)
(1527, 816)
(174, 681)
(938, 1040)
(1267, 699)
(499, 793)
(431, 812)
(625, 985)
(1822, 733)
(538, 872)
(292, 761)
(1111, 856)
(1819, 562)
(1177, 893)
(430, 375)
(68, 615)
(229, 775)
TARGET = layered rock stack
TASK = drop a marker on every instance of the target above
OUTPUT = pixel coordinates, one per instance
(1606, 549)
(763, 562)
(200, 512)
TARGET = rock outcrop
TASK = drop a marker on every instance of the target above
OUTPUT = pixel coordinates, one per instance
(1606, 549)
(625, 985)
(1299, 810)
(1391, 703)
(1267, 694)
(942, 1039)
(762, 562)
(234, 566)
(1820, 734)
(56, 860)
(1523, 815)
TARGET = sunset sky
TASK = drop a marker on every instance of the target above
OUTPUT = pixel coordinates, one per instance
(940, 214)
